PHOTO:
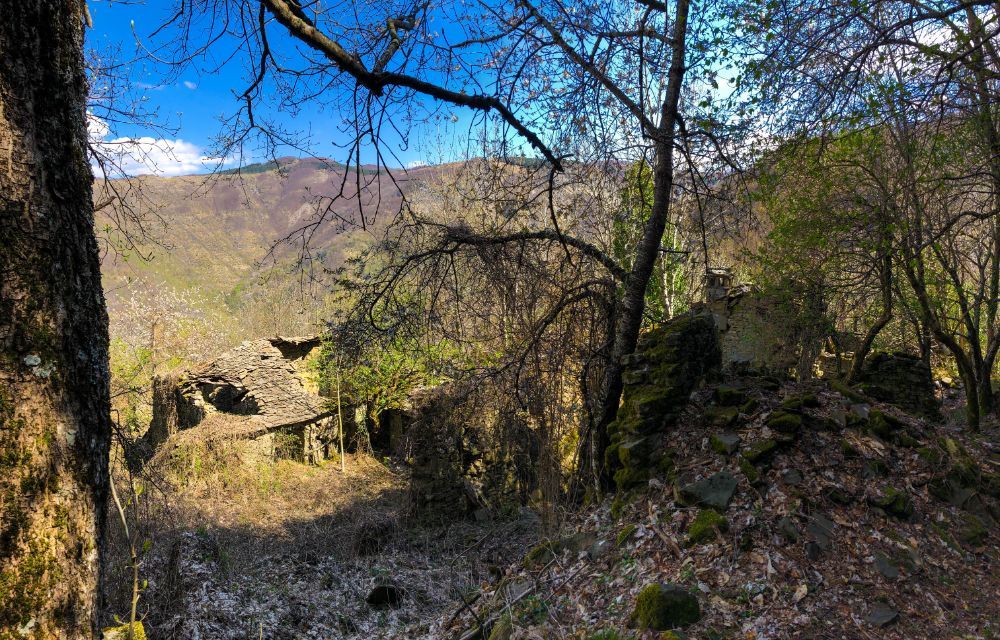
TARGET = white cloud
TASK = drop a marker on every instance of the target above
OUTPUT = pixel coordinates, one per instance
(143, 155)
(190, 85)
(97, 128)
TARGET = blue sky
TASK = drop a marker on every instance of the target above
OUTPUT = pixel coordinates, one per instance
(190, 106)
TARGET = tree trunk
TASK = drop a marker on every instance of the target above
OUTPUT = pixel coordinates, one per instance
(54, 397)
(859, 358)
(628, 321)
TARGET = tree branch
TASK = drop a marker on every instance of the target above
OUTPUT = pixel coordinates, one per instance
(377, 81)
(463, 235)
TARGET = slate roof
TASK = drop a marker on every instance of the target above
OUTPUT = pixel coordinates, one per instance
(261, 378)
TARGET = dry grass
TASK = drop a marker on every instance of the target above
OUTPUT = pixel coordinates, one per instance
(245, 527)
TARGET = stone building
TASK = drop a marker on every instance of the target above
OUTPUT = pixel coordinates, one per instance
(261, 392)
(758, 332)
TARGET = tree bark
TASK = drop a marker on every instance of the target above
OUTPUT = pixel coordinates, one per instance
(628, 320)
(54, 397)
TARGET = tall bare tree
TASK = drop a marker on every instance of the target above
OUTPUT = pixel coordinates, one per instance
(928, 76)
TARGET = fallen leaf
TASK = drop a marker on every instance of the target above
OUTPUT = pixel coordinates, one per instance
(800, 592)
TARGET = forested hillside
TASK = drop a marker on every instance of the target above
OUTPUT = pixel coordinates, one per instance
(467, 320)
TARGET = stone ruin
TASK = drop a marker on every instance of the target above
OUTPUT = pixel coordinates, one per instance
(259, 393)
(761, 333)
(756, 331)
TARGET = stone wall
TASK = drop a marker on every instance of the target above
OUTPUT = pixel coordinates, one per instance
(901, 379)
(669, 362)
(468, 452)
(766, 334)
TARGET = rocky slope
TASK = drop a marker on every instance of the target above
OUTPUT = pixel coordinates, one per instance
(776, 510)
(787, 511)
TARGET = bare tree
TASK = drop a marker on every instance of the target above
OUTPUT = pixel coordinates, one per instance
(927, 76)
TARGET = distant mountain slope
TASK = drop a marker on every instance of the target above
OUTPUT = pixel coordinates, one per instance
(215, 230)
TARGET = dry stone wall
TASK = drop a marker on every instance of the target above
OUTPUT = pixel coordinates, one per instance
(669, 362)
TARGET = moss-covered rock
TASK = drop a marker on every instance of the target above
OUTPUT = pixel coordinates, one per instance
(541, 554)
(750, 471)
(971, 530)
(705, 526)
(848, 392)
(894, 502)
(629, 477)
(665, 606)
(750, 406)
(724, 443)
(721, 416)
(839, 495)
(770, 383)
(883, 425)
(714, 491)
(760, 451)
(800, 401)
(785, 422)
(728, 396)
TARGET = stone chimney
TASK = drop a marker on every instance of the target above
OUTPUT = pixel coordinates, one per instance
(718, 281)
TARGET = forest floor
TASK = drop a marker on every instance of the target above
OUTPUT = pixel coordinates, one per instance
(805, 552)
(290, 550)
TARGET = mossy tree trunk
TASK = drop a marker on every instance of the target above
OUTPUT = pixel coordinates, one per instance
(54, 401)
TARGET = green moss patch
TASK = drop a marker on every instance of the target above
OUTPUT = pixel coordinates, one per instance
(750, 471)
(724, 443)
(721, 416)
(705, 526)
(798, 402)
(626, 534)
(121, 632)
(848, 392)
(665, 606)
(785, 422)
(760, 451)
(729, 396)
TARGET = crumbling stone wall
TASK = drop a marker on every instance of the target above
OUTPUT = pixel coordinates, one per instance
(265, 381)
(767, 334)
(172, 412)
(669, 362)
(752, 336)
(901, 379)
(469, 453)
